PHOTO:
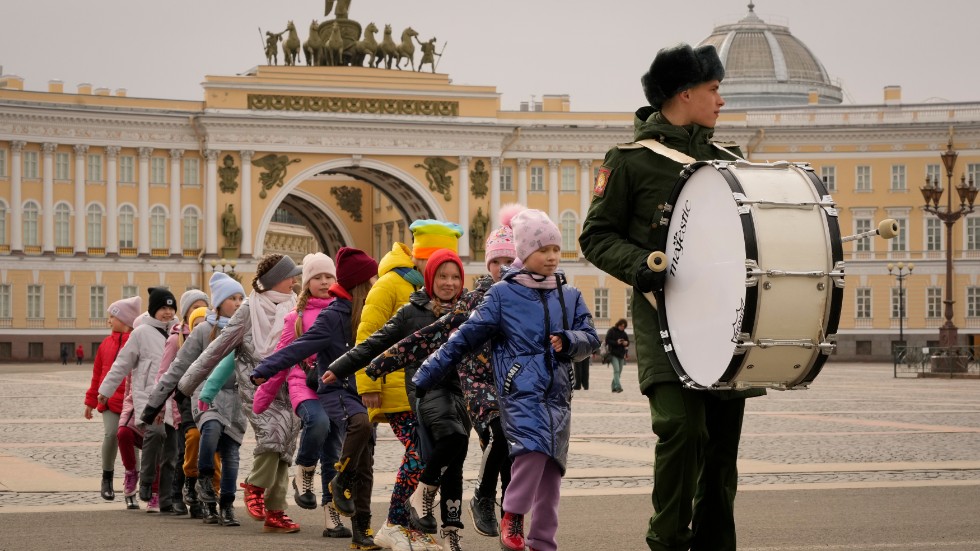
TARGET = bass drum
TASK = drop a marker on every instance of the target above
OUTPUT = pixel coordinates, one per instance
(755, 276)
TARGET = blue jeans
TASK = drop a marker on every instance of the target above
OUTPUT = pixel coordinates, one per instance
(316, 427)
(214, 439)
(617, 368)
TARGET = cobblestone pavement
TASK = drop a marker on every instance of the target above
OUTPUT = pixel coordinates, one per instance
(856, 427)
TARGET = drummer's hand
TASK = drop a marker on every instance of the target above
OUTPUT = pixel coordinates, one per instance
(329, 377)
(371, 400)
(556, 343)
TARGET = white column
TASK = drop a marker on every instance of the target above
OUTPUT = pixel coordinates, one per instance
(16, 201)
(494, 191)
(211, 203)
(464, 204)
(553, 165)
(143, 203)
(47, 198)
(176, 243)
(80, 151)
(585, 187)
(246, 214)
(111, 201)
(522, 180)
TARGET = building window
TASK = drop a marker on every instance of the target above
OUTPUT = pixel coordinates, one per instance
(66, 302)
(972, 302)
(898, 178)
(537, 178)
(862, 348)
(192, 172)
(3, 223)
(62, 166)
(629, 303)
(829, 176)
(506, 178)
(31, 211)
(934, 234)
(377, 242)
(127, 169)
(93, 227)
(35, 304)
(30, 165)
(5, 308)
(899, 303)
(972, 174)
(94, 167)
(130, 291)
(862, 225)
(568, 178)
(569, 235)
(972, 233)
(158, 170)
(933, 174)
(863, 178)
(934, 302)
(126, 226)
(862, 306)
(96, 302)
(191, 233)
(158, 227)
(601, 307)
(3, 163)
(62, 225)
(900, 242)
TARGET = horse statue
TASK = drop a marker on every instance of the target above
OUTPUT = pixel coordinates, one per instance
(313, 47)
(388, 50)
(290, 48)
(406, 48)
(333, 47)
(367, 46)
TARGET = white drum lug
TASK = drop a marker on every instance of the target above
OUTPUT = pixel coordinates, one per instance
(827, 202)
(752, 273)
(828, 345)
(741, 347)
(838, 274)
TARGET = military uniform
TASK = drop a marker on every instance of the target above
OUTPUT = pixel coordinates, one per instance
(698, 431)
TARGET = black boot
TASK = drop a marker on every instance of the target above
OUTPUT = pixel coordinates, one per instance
(362, 537)
(484, 517)
(342, 488)
(210, 513)
(196, 510)
(131, 503)
(107, 492)
(227, 515)
(190, 490)
(205, 490)
(179, 508)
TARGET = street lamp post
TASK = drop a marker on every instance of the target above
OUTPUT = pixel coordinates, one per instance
(901, 271)
(932, 192)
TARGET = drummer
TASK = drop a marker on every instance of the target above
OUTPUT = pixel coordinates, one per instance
(698, 431)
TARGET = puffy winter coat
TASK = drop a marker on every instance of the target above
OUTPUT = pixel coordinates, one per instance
(411, 317)
(140, 356)
(329, 338)
(277, 429)
(389, 293)
(104, 359)
(294, 376)
(533, 382)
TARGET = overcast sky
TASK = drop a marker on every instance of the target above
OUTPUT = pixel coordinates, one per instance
(593, 51)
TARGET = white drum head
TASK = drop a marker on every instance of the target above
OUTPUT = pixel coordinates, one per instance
(704, 292)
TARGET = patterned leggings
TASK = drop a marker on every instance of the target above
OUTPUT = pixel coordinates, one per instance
(404, 425)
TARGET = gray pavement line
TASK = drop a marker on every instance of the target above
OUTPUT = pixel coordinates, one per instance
(975, 544)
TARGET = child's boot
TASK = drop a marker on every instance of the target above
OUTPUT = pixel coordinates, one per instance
(484, 516)
(362, 537)
(277, 522)
(333, 527)
(421, 507)
(342, 488)
(107, 492)
(226, 515)
(450, 539)
(512, 532)
(254, 500)
(211, 513)
(205, 490)
(305, 499)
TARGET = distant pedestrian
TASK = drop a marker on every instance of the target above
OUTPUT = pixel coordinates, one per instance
(617, 343)
(582, 374)
(64, 355)
(79, 355)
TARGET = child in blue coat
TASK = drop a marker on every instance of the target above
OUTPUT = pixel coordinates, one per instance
(539, 326)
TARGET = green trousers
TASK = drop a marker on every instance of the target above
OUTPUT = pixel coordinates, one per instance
(272, 473)
(695, 473)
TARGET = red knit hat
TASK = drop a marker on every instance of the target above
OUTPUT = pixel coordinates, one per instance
(354, 267)
(439, 257)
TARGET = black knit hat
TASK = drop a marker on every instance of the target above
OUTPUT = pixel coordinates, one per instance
(160, 297)
(679, 68)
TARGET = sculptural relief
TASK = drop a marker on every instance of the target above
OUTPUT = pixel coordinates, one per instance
(479, 178)
(275, 171)
(228, 174)
(436, 172)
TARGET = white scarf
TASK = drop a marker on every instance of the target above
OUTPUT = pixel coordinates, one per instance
(267, 311)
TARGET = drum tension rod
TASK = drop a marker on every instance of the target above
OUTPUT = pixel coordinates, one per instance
(753, 272)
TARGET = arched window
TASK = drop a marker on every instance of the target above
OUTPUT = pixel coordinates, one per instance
(191, 229)
(93, 227)
(31, 212)
(127, 215)
(569, 235)
(62, 225)
(158, 227)
(3, 223)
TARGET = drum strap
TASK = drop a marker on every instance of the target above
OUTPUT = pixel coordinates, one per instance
(663, 150)
(726, 151)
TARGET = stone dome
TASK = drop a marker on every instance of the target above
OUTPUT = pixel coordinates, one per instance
(766, 66)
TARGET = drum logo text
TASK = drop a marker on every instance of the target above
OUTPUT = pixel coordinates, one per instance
(679, 238)
(737, 325)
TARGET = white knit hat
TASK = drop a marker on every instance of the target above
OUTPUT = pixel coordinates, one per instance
(317, 263)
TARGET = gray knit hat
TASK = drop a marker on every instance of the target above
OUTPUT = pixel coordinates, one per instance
(188, 298)
(284, 269)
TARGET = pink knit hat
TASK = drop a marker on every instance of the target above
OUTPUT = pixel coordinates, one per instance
(126, 310)
(533, 230)
(500, 242)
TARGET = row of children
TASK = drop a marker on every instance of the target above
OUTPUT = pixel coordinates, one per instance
(439, 362)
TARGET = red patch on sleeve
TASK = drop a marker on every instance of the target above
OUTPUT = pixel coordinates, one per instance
(601, 179)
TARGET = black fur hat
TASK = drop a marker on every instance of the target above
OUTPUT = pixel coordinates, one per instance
(678, 68)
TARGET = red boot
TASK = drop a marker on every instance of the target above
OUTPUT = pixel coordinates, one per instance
(512, 532)
(278, 522)
(254, 501)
